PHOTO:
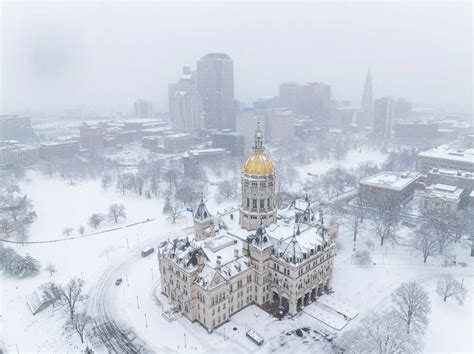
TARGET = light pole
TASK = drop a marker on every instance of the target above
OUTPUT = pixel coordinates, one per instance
(126, 277)
(146, 322)
(152, 273)
(138, 304)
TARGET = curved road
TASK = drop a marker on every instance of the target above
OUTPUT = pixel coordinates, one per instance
(114, 334)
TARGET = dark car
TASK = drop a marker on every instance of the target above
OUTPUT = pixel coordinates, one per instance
(118, 281)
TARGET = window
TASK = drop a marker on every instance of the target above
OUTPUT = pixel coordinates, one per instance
(254, 203)
(268, 203)
(248, 202)
(262, 203)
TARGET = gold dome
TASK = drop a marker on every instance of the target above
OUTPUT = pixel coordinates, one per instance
(258, 164)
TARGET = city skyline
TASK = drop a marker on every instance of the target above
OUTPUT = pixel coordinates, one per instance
(57, 60)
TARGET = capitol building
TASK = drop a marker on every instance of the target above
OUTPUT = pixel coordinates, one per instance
(279, 260)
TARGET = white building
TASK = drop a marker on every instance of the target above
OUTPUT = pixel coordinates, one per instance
(441, 197)
(446, 157)
(278, 262)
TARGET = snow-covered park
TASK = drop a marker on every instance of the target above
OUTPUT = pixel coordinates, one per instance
(101, 256)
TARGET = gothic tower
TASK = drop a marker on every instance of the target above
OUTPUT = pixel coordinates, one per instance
(203, 222)
(258, 188)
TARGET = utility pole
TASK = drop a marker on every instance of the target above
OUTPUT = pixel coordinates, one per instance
(185, 340)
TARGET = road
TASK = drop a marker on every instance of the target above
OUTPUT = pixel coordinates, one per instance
(113, 333)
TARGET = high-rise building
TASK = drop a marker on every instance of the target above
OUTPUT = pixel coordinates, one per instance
(280, 126)
(383, 118)
(143, 109)
(289, 96)
(402, 108)
(366, 115)
(215, 80)
(312, 99)
(185, 103)
(13, 127)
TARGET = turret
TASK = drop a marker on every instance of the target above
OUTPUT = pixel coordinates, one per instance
(203, 222)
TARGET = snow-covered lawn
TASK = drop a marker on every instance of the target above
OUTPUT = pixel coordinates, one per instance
(352, 160)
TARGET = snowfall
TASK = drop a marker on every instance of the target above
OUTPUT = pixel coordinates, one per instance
(137, 304)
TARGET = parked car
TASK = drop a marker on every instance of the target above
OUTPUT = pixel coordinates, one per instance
(118, 281)
(147, 251)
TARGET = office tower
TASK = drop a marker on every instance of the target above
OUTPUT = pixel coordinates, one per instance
(383, 118)
(215, 80)
(289, 96)
(366, 115)
(402, 108)
(143, 109)
(185, 103)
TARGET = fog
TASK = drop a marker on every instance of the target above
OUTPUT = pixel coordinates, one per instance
(106, 55)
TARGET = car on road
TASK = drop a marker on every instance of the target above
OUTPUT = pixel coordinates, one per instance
(118, 281)
(147, 251)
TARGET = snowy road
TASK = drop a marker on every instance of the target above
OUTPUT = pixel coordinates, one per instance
(113, 333)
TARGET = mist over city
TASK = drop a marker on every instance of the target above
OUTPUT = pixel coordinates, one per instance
(248, 177)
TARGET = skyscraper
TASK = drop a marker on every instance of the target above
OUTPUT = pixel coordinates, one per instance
(289, 96)
(185, 103)
(215, 80)
(143, 109)
(383, 118)
(366, 115)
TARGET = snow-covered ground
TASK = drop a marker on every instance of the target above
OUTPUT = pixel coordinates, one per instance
(99, 259)
(352, 160)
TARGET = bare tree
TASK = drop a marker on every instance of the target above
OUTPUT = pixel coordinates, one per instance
(386, 218)
(173, 208)
(78, 324)
(411, 304)
(69, 295)
(106, 181)
(117, 211)
(96, 219)
(448, 286)
(362, 258)
(356, 216)
(442, 227)
(50, 268)
(226, 190)
(424, 241)
(67, 231)
(81, 229)
(382, 333)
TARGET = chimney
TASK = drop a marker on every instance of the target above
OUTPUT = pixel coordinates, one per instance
(236, 253)
(218, 263)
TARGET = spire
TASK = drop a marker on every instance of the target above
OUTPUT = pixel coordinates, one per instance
(202, 213)
(367, 99)
(258, 147)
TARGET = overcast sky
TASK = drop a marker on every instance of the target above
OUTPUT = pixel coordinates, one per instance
(106, 55)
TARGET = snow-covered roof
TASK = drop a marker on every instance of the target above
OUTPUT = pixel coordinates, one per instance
(38, 300)
(444, 192)
(391, 180)
(448, 153)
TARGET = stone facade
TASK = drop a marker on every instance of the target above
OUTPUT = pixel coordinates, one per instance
(281, 265)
